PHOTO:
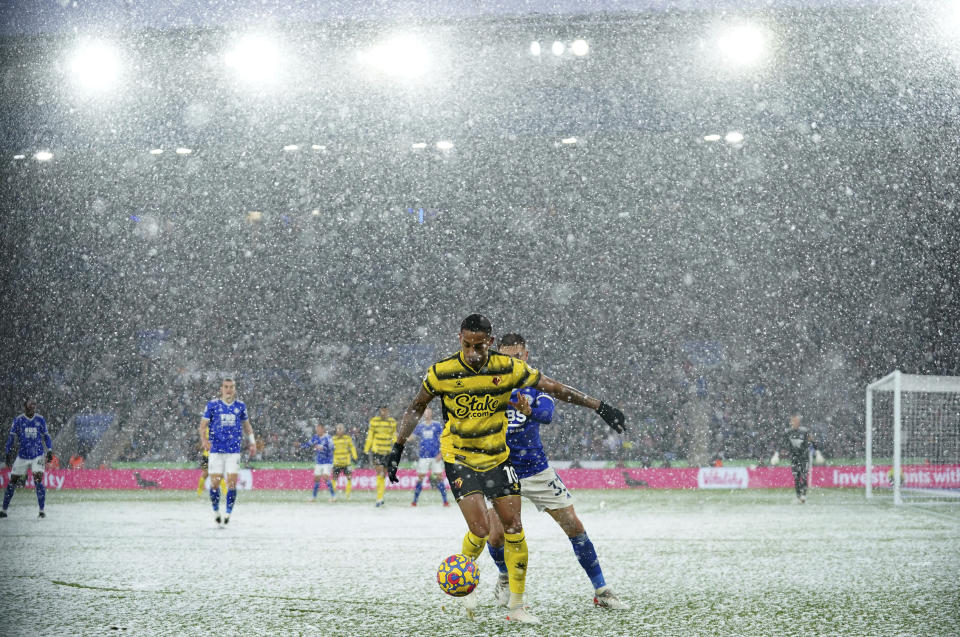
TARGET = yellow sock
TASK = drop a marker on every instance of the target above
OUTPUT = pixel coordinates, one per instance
(473, 545)
(381, 487)
(200, 484)
(515, 555)
(349, 487)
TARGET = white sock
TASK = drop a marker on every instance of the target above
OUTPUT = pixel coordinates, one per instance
(516, 601)
(603, 588)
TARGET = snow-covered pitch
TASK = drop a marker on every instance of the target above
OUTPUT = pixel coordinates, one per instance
(690, 563)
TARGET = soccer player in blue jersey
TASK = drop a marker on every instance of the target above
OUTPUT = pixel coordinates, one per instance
(223, 428)
(30, 432)
(322, 444)
(430, 464)
(539, 483)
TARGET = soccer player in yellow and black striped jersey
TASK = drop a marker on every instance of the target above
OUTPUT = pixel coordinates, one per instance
(344, 454)
(380, 437)
(474, 387)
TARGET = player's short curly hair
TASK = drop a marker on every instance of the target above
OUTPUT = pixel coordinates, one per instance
(476, 323)
(511, 339)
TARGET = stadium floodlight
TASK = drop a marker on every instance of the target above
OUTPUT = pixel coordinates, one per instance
(43, 155)
(713, 137)
(156, 151)
(742, 45)
(535, 48)
(19, 156)
(254, 59)
(184, 151)
(419, 145)
(291, 148)
(557, 48)
(403, 56)
(568, 140)
(733, 137)
(580, 48)
(95, 65)
(318, 147)
(315, 212)
(444, 145)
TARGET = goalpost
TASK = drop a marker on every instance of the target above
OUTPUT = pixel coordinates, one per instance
(913, 426)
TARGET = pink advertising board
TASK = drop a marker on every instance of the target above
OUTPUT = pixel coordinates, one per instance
(934, 476)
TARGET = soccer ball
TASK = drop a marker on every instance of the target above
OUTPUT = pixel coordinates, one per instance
(458, 575)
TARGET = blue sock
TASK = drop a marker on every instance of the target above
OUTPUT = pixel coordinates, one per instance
(316, 489)
(417, 489)
(215, 498)
(8, 494)
(231, 498)
(496, 552)
(587, 556)
(333, 494)
(443, 491)
(41, 494)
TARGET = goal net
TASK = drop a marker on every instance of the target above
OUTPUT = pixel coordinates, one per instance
(913, 437)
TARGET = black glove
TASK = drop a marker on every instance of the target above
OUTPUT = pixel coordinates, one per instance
(613, 417)
(49, 455)
(393, 461)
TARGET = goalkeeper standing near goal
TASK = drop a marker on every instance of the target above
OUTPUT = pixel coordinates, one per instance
(796, 441)
(475, 386)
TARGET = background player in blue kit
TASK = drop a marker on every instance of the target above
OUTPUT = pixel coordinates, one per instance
(322, 444)
(30, 431)
(223, 428)
(540, 484)
(430, 464)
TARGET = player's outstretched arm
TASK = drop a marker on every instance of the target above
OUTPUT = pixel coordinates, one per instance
(408, 423)
(610, 414)
(204, 433)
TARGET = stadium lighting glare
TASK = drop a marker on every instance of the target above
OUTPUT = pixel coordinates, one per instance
(43, 155)
(742, 45)
(95, 66)
(712, 138)
(156, 151)
(535, 48)
(19, 156)
(568, 140)
(318, 147)
(580, 48)
(255, 59)
(184, 151)
(444, 145)
(291, 148)
(419, 145)
(734, 137)
(557, 48)
(315, 213)
(403, 56)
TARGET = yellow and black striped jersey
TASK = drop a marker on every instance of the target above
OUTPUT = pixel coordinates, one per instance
(474, 406)
(381, 436)
(344, 451)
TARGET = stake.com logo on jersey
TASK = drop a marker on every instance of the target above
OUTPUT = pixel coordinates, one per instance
(474, 406)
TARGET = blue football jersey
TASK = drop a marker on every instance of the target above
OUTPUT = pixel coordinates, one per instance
(325, 452)
(31, 434)
(523, 432)
(226, 425)
(429, 436)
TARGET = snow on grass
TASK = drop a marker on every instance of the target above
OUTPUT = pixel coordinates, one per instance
(690, 563)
